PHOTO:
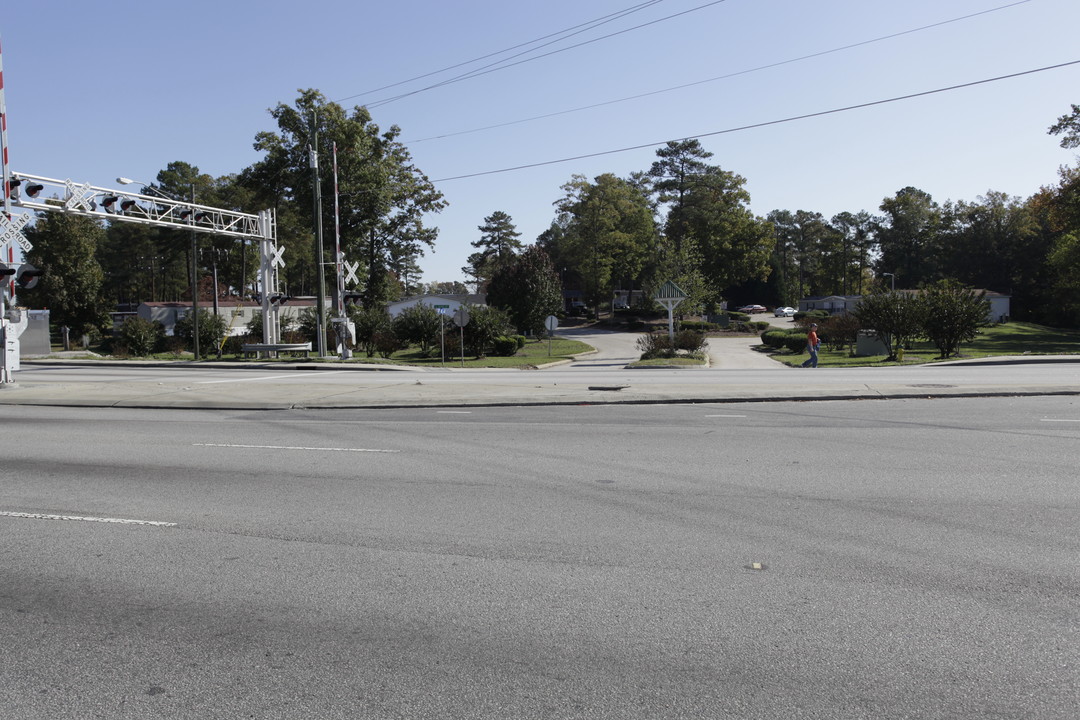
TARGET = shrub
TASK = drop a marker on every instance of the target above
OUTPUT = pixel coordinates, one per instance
(386, 343)
(690, 341)
(234, 343)
(738, 316)
(485, 324)
(953, 314)
(698, 326)
(504, 346)
(658, 345)
(774, 338)
(805, 317)
(760, 325)
(370, 324)
(212, 329)
(140, 337)
(795, 342)
(792, 340)
(897, 317)
(520, 340)
(840, 331)
(419, 325)
(655, 345)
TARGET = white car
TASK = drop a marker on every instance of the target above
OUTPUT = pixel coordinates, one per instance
(784, 312)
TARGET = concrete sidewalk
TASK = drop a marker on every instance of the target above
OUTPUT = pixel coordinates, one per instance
(375, 386)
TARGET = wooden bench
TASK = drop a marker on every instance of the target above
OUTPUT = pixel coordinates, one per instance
(270, 350)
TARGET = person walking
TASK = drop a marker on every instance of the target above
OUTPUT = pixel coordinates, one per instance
(812, 345)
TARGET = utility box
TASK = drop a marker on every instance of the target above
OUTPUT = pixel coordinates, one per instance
(35, 340)
(869, 344)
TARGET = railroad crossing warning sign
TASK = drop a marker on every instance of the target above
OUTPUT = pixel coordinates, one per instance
(11, 231)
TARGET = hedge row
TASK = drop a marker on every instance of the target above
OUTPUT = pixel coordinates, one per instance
(779, 339)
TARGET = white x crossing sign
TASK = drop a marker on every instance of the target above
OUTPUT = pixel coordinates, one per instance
(275, 259)
(350, 272)
(78, 196)
(11, 231)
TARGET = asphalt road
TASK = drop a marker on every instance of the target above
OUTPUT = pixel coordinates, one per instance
(901, 559)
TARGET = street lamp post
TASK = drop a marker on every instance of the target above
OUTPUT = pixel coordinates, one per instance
(194, 260)
(892, 278)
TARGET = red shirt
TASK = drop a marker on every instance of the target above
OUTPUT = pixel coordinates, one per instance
(811, 339)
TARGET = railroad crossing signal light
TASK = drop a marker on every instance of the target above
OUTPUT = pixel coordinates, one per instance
(108, 203)
(19, 186)
(27, 276)
(351, 298)
(126, 205)
(278, 298)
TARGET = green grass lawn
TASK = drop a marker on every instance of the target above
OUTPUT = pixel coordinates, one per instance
(1014, 338)
(533, 354)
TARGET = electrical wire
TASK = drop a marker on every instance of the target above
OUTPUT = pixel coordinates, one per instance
(718, 77)
(597, 22)
(763, 124)
(495, 67)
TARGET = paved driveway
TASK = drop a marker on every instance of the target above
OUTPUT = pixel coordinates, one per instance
(615, 349)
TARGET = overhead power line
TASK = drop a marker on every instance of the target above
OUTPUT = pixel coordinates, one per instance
(763, 124)
(495, 67)
(718, 77)
(588, 25)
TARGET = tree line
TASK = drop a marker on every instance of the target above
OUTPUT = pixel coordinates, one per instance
(683, 219)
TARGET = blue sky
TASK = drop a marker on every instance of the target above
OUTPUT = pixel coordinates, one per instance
(99, 90)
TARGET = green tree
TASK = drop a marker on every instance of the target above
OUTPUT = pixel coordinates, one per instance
(372, 325)
(735, 245)
(65, 249)
(384, 197)
(1056, 210)
(856, 243)
(485, 325)
(711, 240)
(896, 316)
(527, 288)
(605, 231)
(994, 243)
(952, 314)
(1069, 127)
(909, 238)
(498, 244)
(419, 325)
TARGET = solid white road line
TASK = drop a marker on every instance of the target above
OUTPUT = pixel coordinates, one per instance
(291, 447)
(121, 521)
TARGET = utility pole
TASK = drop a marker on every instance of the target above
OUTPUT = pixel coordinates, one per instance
(194, 281)
(313, 152)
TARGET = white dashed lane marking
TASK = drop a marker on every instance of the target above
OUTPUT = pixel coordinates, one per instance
(292, 447)
(84, 518)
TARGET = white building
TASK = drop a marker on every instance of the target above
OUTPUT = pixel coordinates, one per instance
(446, 304)
(237, 313)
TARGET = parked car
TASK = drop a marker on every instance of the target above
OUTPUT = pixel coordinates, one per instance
(751, 309)
(621, 304)
(784, 312)
(576, 307)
